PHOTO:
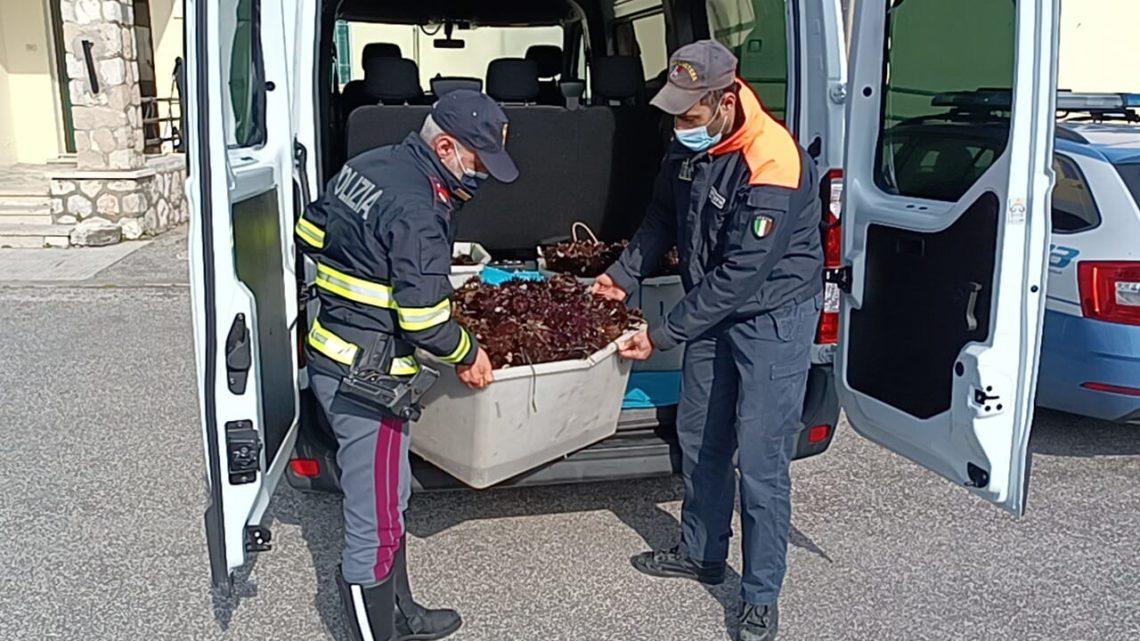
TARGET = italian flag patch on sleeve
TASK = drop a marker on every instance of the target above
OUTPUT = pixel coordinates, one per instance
(762, 226)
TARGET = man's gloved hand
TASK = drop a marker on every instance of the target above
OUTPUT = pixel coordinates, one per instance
(605, 287)
(637, 348)
(477, 375)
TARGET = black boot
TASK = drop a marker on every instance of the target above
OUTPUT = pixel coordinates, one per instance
(368, 610)
(675, 563)
(759, 622)
(414, 622)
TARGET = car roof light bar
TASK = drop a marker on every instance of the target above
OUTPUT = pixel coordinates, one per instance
(1093, 102)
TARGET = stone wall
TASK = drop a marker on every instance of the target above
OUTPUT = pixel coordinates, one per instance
(141, 202)
(106, 114)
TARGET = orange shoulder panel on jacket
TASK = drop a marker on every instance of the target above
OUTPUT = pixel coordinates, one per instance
(772, 155)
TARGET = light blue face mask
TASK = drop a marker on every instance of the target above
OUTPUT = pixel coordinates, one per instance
(698, 138)
(471, 178)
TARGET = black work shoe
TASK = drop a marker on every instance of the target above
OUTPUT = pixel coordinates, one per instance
(676, 564)
(422, 624)
(759, 622)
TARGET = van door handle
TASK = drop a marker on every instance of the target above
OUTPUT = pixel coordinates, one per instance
(238, 355)
(971, 304)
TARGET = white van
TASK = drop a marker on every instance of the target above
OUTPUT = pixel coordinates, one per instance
(941, 297)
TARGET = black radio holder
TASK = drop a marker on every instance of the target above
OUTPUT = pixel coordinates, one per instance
(368, 383)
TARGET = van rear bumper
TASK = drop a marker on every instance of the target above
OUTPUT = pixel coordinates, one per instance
(645, 446)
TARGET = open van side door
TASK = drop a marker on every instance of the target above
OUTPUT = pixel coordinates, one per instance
(946, 221)
(240, 191)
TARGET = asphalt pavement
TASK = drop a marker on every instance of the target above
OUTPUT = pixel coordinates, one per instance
(101, 532)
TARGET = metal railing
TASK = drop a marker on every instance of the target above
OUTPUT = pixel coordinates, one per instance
(162, 125)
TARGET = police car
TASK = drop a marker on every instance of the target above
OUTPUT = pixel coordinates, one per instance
(929, 337)
(1090, 354)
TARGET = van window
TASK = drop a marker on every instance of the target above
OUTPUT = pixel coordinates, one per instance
(247, 91)
(948, 73)
(343, 53)
(757, 32)
(649, 31)
(483, 44)
(1074, 208)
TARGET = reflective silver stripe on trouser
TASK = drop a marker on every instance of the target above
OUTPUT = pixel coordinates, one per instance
(376, 480)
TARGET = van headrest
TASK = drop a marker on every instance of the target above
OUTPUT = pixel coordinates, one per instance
(381, 50)
(512, 80)
(549, 59)
(443, 84)
(616, 78)
(392, 80)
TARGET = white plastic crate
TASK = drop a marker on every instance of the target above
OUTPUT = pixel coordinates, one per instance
(529, 416)
(656, 297)
(462, 273)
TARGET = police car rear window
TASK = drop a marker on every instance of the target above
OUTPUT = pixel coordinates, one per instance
(1130, 172)
(1074, 208)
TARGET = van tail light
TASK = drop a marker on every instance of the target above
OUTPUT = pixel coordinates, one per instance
(306, 467)
(1110, 291)
(818, 433)
(831, 193)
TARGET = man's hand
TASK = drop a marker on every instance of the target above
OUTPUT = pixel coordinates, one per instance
(478, 374)
(637, 348)
(605, 287)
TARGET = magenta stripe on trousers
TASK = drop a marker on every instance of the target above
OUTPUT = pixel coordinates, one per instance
(387, 478)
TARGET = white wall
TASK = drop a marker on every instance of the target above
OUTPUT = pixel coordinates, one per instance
(30, 126)
(1099, 46)
(483, 45)
(166, 32)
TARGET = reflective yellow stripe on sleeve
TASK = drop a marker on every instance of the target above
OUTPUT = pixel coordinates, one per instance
(404, 366)
(416, 319)
(310, 233)
(353, 288)
(461, 350)
(344, 352)
(332, 345)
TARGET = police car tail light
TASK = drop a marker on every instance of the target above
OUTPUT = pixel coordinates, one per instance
(1110, 291)
(831, 193)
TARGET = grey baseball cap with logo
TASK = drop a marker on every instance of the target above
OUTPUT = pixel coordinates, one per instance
(695, 70)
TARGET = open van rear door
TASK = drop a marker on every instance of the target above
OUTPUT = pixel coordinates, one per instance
(242, 276)
(946, 222)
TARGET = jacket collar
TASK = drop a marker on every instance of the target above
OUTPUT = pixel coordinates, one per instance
(755, 123)
(429, 163)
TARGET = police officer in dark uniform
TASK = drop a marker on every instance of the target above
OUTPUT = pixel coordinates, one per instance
(381, 236)
(738, 197)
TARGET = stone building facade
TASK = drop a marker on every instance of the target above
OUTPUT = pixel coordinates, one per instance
(113, 183)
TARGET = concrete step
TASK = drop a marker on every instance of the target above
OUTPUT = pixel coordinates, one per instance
(31, 236)
(20, 201)
(39, 215)
(12, 218)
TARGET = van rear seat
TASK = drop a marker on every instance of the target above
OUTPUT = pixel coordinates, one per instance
(395, 81)
(564, 158)
(354, 94)
(618, 86)
(549, 61)
(564, 168)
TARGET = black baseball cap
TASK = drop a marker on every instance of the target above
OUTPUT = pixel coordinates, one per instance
(479, 123)
(695, 70)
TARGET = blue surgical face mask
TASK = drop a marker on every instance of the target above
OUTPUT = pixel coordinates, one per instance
(698, 138)
(471, 179)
